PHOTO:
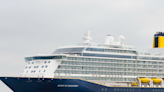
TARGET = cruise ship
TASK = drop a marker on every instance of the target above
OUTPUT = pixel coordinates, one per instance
(93, 67)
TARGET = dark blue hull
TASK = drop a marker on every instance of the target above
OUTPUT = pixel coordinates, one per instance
(65, 85)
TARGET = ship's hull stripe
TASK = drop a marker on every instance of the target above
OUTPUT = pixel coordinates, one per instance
(66, 85)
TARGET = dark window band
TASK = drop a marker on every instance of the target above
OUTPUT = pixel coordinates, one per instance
(111, 56)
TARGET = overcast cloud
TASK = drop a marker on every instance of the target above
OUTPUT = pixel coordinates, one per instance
(27, 26)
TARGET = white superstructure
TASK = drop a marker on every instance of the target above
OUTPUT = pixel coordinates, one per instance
(111, 62)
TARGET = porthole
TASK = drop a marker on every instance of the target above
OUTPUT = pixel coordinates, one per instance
(129, 89)
(102, 89)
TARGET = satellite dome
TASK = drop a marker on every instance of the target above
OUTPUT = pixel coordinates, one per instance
(121, 38)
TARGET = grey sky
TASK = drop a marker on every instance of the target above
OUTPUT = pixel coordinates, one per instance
(32, 25)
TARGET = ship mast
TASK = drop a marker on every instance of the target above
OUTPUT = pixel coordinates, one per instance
(87, 37)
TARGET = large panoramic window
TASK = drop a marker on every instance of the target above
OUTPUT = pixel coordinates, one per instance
(95, 49)
(68, 50)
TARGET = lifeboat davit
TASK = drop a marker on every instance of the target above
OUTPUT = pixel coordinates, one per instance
(144, 80)
(156, 80)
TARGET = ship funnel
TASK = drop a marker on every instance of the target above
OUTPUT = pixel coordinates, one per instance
(158, 40)
(109, 39)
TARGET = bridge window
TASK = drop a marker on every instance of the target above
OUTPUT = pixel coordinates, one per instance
(44, 57)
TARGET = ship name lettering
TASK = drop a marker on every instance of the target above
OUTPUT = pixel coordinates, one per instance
(67, 85)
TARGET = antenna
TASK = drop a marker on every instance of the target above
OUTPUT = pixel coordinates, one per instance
(161, 26)
(38, 52)
(87, 37)
(160, 20)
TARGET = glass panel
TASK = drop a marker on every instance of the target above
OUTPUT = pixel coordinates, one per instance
(95, 49)
(44, 57)
(68, 50)
(107, 55)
